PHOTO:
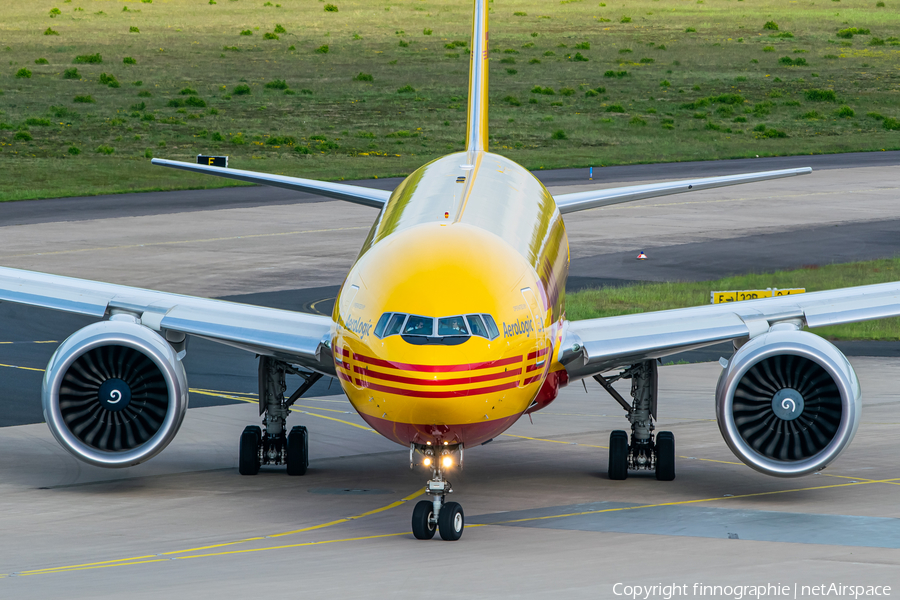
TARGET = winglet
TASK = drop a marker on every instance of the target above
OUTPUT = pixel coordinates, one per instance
(477, 131)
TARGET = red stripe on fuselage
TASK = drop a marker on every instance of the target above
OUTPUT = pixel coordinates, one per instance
(437, 394)
(375, 362)
(413, 381)
(537, 353)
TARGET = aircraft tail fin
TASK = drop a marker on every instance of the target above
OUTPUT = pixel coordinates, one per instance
(477, 127)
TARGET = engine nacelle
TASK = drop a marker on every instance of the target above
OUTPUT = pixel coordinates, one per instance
(115, 393)
(788, 403)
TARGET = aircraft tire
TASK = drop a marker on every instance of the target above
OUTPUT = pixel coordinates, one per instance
(665, 456)
(248, 454)
(618, 455)
(451, 521)
(297, 451)
(422, 528)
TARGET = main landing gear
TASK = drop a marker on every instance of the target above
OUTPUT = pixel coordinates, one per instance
(273, 446)
(431, 516)
(643, 453)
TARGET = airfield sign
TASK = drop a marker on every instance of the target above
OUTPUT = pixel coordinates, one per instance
(739, 295)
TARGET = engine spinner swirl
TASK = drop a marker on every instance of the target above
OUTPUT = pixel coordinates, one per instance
(114, 393)
(788, 403)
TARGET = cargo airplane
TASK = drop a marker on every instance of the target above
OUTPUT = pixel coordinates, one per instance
(450, 326)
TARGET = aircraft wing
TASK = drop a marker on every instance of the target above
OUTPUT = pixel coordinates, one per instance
(340, 191)
(294, 337)
(592, 346)
(596, 198)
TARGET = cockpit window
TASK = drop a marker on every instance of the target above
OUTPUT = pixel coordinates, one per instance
(491, 326)
(416, 325)
(395, 326)
(379, 327)
(476, 325)
(417, 329)
(452, 326)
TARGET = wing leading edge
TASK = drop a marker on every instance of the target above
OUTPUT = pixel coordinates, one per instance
(298, 338)
(593, 346)
(596, 198)
(339, 191)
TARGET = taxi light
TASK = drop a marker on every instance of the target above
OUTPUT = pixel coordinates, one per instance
(447, 461)
(427, 462)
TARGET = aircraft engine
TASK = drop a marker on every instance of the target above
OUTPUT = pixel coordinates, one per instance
(788, 402)
(115, 393)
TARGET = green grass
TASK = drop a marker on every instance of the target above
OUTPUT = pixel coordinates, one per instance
(700, 50)
(645, 297)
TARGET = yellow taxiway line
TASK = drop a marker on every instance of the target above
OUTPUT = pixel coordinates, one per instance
(164, 556)
(293, 408)
(153, 558)
(23, 368)
(696, 501)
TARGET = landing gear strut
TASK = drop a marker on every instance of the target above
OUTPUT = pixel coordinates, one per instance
(273, 446)
(430, 516)
(643, 453)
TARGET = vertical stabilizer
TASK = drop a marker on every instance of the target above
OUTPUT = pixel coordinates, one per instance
(477, 131)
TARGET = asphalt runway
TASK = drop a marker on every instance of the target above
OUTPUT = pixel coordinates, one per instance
(543, 519)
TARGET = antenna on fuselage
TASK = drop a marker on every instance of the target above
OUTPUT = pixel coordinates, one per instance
(477, 126)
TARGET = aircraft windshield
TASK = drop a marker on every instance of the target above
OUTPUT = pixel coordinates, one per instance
(419, 326)
(418, 329)
(452, 326)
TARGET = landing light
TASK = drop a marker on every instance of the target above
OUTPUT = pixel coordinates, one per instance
(447, 461)
(427, 462)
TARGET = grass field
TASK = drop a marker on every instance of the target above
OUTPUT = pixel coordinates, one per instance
(609, 302)
(377, 88)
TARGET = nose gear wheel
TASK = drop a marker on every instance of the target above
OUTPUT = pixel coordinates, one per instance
(423, 522)
(451, 522)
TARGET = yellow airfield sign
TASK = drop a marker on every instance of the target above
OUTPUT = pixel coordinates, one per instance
(738, 295)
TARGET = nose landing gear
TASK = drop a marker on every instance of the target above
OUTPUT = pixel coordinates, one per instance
(437, 514)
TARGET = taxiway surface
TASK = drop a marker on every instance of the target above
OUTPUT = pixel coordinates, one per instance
(543, 519)
(186, 524)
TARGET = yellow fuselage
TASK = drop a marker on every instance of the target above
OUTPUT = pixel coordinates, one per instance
(466, 234)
